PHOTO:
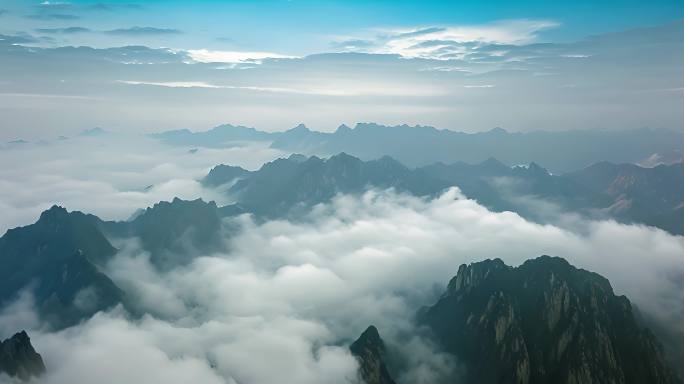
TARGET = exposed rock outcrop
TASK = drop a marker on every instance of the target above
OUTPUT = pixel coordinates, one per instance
(544, 322)
(19, 359)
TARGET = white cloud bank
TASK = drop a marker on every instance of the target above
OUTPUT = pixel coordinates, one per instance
(110, 175)
(449, 42)
(284, 303)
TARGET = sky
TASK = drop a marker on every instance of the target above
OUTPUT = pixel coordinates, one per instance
(143, 66)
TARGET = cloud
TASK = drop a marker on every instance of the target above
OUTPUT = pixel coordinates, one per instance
(451, 42)
(66, 30)
(143, 31)
(207, 56)
(173, 84)
(53, 16)
(373, 259)
(3, 12)
(338, 91)
(113, 7)
(430, 92)
(114, 182)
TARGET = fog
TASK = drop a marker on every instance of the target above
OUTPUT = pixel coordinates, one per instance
(287, 299)
(109, 175)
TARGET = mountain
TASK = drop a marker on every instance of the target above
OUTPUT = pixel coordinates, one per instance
(625, 192)
(543, 322)
(57, 259)
(174, 232)
(654, 196)
(220, 136)
(284, 184)
(297, 181)
(19, 359)
(369, 351)
(223, 174)
(561, 151)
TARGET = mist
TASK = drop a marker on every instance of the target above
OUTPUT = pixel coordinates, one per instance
(109, 175)
(286, 300)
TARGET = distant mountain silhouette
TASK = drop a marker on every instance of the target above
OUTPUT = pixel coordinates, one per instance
(653, 196)
(560, 151)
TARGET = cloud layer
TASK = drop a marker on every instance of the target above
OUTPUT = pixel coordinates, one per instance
(109, 175)
(296, 294)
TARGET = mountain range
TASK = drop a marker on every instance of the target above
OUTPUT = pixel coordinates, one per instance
(416, 146)
(624, 192)
(544, 321)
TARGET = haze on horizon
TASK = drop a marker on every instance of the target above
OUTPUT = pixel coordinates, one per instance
(147, 66)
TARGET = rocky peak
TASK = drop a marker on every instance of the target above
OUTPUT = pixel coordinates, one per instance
(19, 359)
(369, 350)
(544, 321)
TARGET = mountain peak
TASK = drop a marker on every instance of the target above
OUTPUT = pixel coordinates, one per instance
(343, 128)
(570, 308)
(369, 350)
(297, 158)
(19, 359)
(299, 128)
(497, 131)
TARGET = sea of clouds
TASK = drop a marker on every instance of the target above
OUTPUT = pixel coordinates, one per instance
(287, 298)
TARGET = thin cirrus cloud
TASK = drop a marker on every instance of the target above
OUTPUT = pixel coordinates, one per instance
(66, 30)
(452, 42)
(131, 32)
(332, 89)
(143, 31)
(53, 16)
(233, 57)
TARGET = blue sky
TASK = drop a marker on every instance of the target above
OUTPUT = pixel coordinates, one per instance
(297, 27)
(272, 64)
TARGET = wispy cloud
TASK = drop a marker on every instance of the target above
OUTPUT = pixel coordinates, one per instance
(233, 57)
(330, 89)
(141, 31)
(173, 84)
(53, 16)
(452, 42)
(66, 30)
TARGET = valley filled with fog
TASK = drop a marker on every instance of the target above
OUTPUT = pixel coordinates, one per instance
(279, 297)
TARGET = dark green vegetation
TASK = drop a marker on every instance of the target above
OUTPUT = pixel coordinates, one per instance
(19, 359)
(369, 350)
(543, 322)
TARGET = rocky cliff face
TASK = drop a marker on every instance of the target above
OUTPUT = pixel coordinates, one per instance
(19, 359)
(543, 322)
(369, 350)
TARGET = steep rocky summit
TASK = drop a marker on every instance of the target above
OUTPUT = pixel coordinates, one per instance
(543, 322)
(19, 359)
(369, 350)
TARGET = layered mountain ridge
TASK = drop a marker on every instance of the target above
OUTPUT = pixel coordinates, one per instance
(415, 146)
